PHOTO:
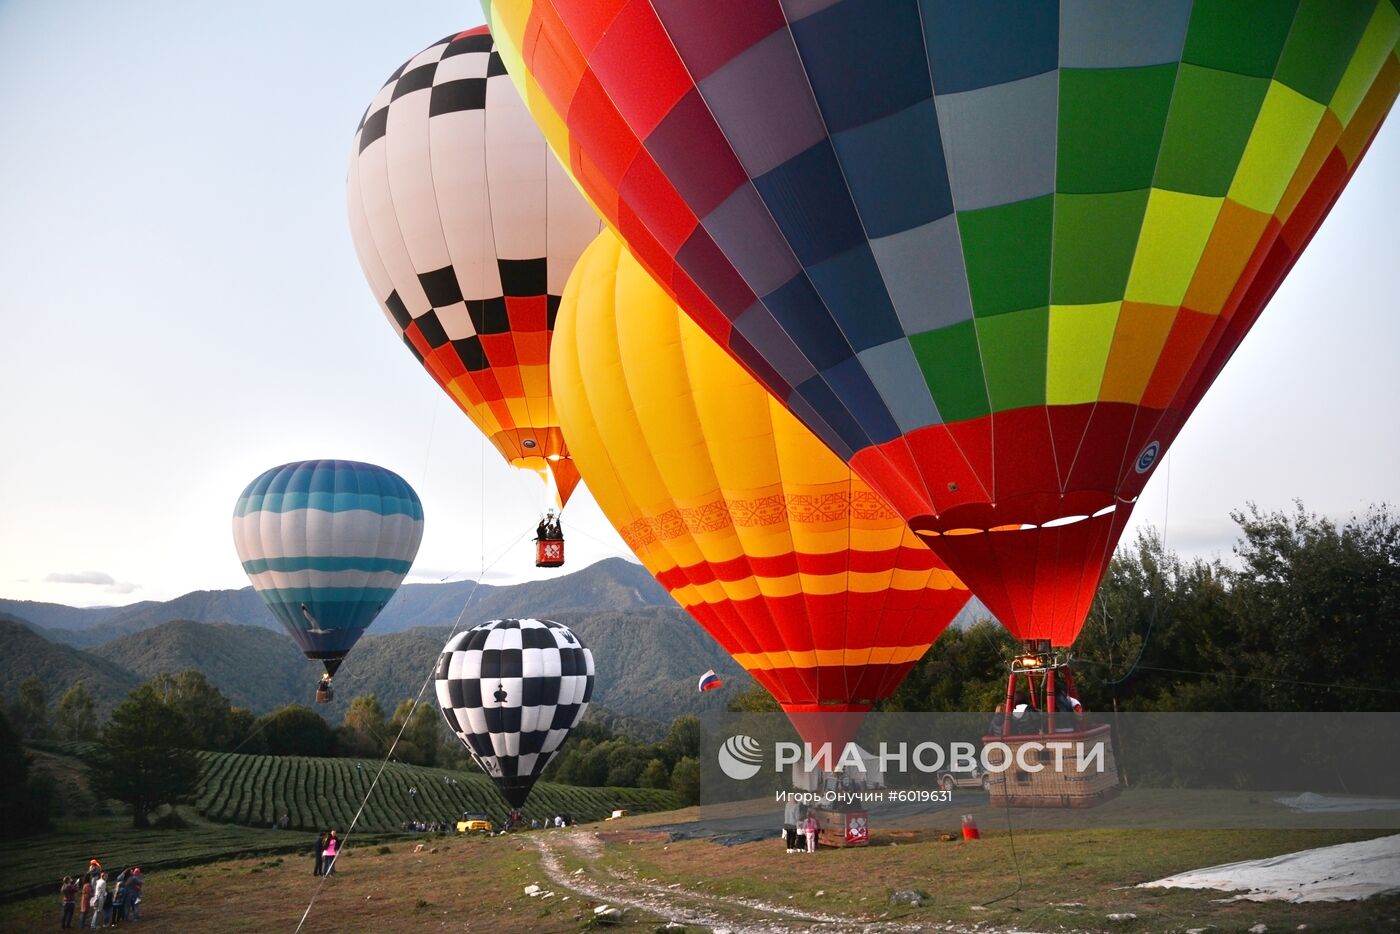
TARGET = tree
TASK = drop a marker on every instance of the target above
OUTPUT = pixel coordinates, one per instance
(685, 780)
(683, 739)
(243, 732)
(625, 764)
(963, 670)
(24, 799)
(145, 756)
(419, 742)
(1316, 601)
(295, 730)
(755, 700)
(76, 715)
(364, 732)
(654, 775)
(31, 711)
(203, 706)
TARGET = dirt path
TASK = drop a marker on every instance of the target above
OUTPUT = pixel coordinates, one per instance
(623, 889)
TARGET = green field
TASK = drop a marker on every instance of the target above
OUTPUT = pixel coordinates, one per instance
(240, 796)
(38, 862)
(315, 794)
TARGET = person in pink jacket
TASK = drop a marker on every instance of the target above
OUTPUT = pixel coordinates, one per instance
(809, 828)
(332, 847)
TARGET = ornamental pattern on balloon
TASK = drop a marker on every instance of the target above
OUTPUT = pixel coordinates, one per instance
(774, 509)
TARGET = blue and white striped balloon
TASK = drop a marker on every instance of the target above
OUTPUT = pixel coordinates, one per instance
(326, 543)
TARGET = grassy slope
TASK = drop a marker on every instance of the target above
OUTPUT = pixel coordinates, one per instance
(1068, 878)
(316, 793)
(1072, 880)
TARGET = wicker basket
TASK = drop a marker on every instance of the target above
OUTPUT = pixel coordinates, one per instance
(1067, 787)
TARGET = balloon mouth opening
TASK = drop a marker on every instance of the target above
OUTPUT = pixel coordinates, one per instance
(981, 520)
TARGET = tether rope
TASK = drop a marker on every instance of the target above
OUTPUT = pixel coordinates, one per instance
(342, 842)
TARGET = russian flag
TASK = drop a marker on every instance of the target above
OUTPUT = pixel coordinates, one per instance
(709, 681)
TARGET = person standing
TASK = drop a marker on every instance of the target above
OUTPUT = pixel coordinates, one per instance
(809, 828)
(99, 901)
(332, 847)
(118, 899)
(792, 816)
(68, 892)
(84, 902)
(133, 902)
(320, 855)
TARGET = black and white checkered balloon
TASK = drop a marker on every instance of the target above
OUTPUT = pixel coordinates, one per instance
(511, 690)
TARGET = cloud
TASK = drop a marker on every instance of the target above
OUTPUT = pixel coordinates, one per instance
(80, 577)
(107, 582)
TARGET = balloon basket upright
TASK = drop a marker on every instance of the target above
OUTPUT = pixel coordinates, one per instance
(324, 692)
(549, 553)
(1055, 759)
(840, 828)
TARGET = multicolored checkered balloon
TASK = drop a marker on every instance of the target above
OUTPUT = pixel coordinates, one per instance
(466, 228)
(993, 253)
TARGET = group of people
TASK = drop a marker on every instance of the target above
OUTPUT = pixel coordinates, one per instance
(549, 529)
(98, 901)
(327, 846)
(1027, 718)
(801, 829)
(427, 826)
(516, 822)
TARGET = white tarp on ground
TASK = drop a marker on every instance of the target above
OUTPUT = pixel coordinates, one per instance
(1307, 801)
(1346, 872)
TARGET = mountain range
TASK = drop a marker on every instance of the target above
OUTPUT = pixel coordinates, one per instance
(649, 653)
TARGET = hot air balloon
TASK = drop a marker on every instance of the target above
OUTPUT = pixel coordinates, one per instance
(512, 689)
(326, 543)
(794, 566)
(466, 228)
(993, 254)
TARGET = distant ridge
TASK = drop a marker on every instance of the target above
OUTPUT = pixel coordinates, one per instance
(25, 653)
(649, 652)
(613, 583)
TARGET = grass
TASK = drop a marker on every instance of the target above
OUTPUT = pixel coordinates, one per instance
(236, 878)
(1069, 879)
(1054, 878)
(256, 790)
(40, 862)
(443, 887)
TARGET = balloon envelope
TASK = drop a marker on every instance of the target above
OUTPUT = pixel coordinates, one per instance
(512, 689)
(466, 229)
(992, 253)
(799, 571)
(326, 543)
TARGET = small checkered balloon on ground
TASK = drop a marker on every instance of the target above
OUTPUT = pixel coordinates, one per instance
(511, 690)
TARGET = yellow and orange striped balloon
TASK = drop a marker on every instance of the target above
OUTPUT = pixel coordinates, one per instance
(796, 567)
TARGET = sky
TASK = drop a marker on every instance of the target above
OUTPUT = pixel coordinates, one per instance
(181, 309)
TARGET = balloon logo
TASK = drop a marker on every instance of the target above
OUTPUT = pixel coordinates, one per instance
(1148, 457)
(984, 251)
